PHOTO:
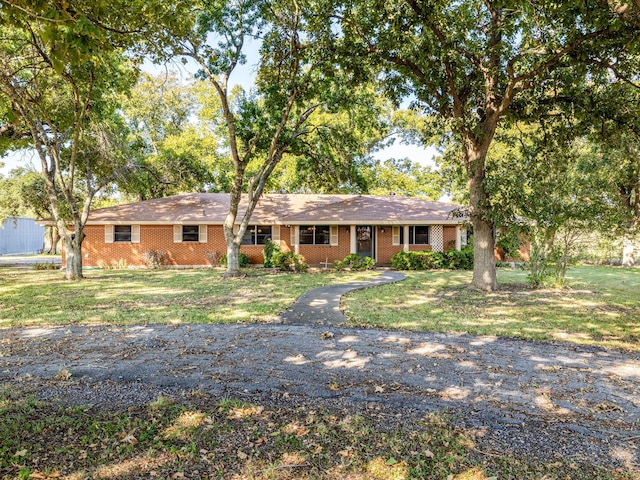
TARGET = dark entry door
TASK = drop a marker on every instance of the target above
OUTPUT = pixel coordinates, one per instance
(364, 235)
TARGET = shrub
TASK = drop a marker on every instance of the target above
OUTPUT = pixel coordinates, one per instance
(355, 262)
(339, 265)
(288, 261)
(267, 253)
(424, 260)
(46, 266)
(460, 259)
(155, 259)
(213, 257)
(115, 265)
(429, 260)
(243, 260)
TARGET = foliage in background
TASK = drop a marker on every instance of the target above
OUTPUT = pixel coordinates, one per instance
(176, 149)
(298, 92)
(46, 266)
(546, 189)
(404, 177)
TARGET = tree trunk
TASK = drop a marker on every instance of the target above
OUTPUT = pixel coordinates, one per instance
(55, 241)
(628, 250)
(73, 254)
(233, 260)
(52, 241)
(484, 262)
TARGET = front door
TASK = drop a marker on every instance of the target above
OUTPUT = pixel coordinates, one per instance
(364, 236)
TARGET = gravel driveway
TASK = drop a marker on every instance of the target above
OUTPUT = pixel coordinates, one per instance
(544, 399)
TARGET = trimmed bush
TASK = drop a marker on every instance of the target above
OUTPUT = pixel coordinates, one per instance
(459, 259)
(243, 260)
(339, 266)
(355, 262)
(289, 261)
(429, 260)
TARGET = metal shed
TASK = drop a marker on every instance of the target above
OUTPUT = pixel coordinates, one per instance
(20, 235)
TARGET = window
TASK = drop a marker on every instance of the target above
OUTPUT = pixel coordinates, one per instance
(122, 233)
(315, 235)
(256, 235)
(418, 235)
(190, 233)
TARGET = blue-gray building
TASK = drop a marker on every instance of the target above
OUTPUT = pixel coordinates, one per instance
(20, 235)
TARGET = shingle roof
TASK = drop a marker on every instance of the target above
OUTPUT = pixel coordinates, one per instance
(212, 208)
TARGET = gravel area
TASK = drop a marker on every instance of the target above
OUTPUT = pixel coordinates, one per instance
(550, 400)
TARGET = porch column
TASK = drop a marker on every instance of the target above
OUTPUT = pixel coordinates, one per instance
(354, 239)
(406, 238)
(458, 237)
(295, 239)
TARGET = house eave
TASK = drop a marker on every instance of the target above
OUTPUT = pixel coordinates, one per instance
(340, 223)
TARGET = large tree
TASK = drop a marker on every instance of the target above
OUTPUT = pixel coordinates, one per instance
(61, 107)
(61, 64)
(467, 61)
(296, 84)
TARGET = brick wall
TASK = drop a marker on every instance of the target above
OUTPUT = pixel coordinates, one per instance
(315, 254)
(386, 248)
(449, 237)
(97, 253)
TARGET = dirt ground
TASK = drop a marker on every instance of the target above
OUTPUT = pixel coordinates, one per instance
(550, 400)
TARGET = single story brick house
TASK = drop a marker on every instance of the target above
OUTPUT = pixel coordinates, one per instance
(320, 227)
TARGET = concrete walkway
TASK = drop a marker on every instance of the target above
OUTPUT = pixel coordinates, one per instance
(321, 306)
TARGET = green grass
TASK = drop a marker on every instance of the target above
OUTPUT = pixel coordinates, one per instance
(209, 438)
(601, 306)
(29, 298)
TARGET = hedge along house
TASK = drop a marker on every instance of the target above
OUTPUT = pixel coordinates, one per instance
(322, 228)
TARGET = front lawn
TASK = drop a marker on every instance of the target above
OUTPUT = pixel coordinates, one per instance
(29, 298)
(601, 306)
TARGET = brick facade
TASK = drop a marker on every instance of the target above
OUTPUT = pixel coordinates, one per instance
(316, 254)
(98, 253)
(449, 234)
(386, 248)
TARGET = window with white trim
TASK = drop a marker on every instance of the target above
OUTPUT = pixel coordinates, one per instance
(122, 233)
(256, 235)
(190, 233)
(315, 235)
